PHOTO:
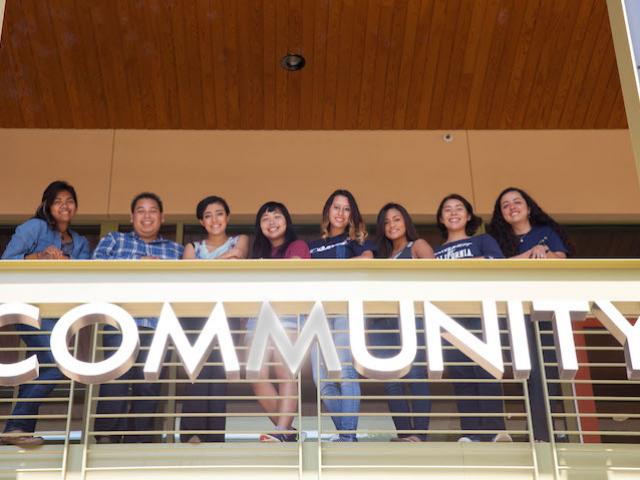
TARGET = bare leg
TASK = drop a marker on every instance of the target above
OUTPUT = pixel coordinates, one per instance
(267, 389)
(286, 389)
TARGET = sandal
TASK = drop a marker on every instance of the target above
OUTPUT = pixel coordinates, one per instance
(409, 438)
(23, 441)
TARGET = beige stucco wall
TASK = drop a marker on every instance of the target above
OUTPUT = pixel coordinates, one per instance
(579, 175)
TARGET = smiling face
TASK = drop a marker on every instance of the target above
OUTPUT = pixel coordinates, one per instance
(273, 225)
(454, 216)
(394, 226)
(339, 214)
(63, 208)
(514, 208)
(215, 219)
(147, 219)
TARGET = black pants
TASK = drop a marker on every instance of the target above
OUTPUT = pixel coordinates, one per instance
(136, 408)
(216, 389)
(478, 389)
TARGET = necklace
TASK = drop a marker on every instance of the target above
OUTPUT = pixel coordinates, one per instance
(523, 236)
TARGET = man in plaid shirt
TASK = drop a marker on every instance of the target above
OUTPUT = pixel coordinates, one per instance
(144, 242)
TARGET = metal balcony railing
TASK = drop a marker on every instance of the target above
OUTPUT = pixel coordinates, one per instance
(412, 424)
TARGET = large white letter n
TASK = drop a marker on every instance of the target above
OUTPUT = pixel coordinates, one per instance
(487, 354)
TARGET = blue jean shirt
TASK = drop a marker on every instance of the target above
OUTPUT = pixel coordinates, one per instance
(35, 235)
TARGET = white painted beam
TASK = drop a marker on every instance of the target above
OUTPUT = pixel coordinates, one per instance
(628, 71)
(3, 3)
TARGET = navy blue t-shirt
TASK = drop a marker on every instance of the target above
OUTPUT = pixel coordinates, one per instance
(542, 235)
(479, 246)
(340, 246)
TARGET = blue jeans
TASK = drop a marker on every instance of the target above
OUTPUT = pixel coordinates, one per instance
(31, 390)
(328, 388)
(418, 372)
(475, 389)
(137, 407)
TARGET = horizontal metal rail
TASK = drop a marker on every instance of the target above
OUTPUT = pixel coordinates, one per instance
(576, 410)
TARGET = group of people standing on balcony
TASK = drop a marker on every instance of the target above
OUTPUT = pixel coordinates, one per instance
(519, 228)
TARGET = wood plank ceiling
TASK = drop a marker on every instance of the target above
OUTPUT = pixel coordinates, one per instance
(377, 64)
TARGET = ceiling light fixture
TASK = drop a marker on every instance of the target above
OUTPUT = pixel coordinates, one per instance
(292, 62)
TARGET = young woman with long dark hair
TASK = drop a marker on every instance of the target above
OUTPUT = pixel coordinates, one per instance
(397, 235)
(398, 239)
(524, 230)
(213, 214)
(46, 236)
(274, 234)
(343, 235)
(275, 238)
(458, 224)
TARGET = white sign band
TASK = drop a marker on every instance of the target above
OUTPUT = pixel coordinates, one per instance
(487, 352)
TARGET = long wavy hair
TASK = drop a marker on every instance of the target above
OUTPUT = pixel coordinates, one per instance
(470, 227)
(43, 212)
(385, 246)
(262, 245)
(357, 229)
(504, 234)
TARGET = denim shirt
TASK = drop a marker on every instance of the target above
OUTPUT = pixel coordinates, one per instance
(35, 235)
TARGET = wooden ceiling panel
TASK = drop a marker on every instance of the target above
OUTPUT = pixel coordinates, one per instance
(410, 118)
(519, 14)
(370, 64)
(597, 63)
(406, 62)
(582, 68)
(445, 71)
(482, 56)
(601, 84)
(21, 62)
(552, 58)
(363, 107)
(495, 60)
(12, 112)
(562, 88)
(426, 85)
(452, 85)
(534, 60)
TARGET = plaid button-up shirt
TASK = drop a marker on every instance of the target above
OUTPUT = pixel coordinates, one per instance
(129, 246)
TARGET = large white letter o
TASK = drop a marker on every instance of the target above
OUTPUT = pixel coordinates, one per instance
(89, 314)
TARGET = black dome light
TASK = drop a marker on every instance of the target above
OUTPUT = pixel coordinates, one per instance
(292, 62)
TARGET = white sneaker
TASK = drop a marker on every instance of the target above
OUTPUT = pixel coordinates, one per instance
(502, 437)
(465, 440)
